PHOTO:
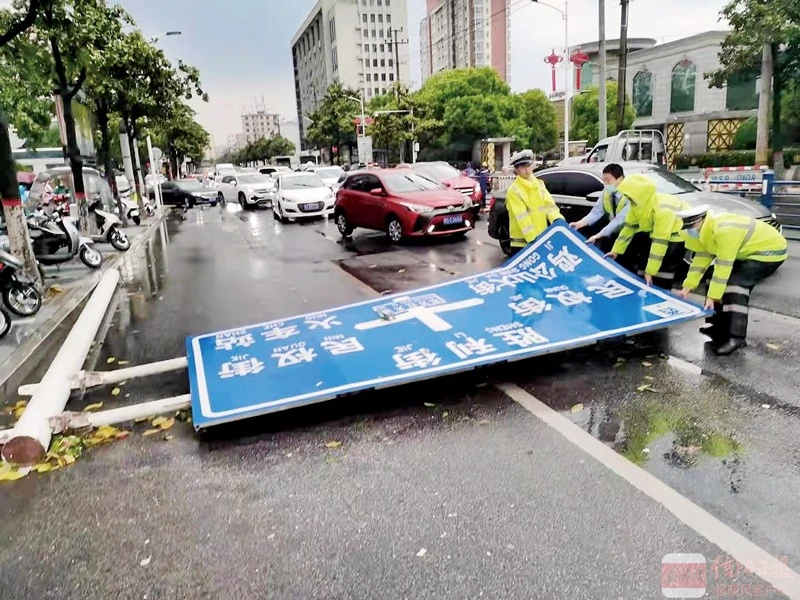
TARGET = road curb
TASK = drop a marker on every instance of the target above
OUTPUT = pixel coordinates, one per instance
(17, 367)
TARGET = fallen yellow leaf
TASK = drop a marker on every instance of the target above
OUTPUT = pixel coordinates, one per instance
(151, 432)
(10, 474)
(17, 412)
(69, 459)
(646, 364)
(168, 437)
(115, 392)
(158, 421)
(105, 432)
(43, 467)
(141, 420)
(445, 414)
(429, 404)
(646, 388)
(123, 362)
(110, 360)
(167, 423)
(774, 346)
(91, 407)
(649, 378)
(122, 435)
(577, 408)
(333, 444)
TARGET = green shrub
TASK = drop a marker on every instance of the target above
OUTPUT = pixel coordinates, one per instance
(730, 158)
(745, 138)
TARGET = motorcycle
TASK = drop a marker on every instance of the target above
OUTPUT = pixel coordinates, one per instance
(110, 227)
(498, 226)
(131, 208)
(55, 240)
(19, 294)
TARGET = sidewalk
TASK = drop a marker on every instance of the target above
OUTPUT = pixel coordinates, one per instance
(68, 286)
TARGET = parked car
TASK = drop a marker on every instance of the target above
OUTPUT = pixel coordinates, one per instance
(248, 189)
(451, 177)
(301, 195)
(575, 189)
(330, 176)
(271, 170)
(402, 203)
(187, 192)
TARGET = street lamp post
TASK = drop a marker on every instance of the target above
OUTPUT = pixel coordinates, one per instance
(413, 135)
(567, 82)
(362, 123)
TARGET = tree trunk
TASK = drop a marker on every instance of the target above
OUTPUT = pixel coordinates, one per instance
(762, 135)
(777, 133)
(108, 164)
(18, 238)
(130, 128)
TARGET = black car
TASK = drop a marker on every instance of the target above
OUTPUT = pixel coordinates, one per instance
(187, 192)
(575, 189)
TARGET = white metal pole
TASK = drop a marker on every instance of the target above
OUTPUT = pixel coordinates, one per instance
(567, 81)
(32, 433)
(363, 117)
(155, 171)
(138, 411)
(602, 98)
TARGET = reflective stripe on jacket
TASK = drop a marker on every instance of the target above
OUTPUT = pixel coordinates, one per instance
(726, 238)
(651, 213)
(530, 210)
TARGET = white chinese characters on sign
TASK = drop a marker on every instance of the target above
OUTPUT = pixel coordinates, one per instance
(293, 354)
(529, 306)
(465, 346)
(339, 344)
(277, 331)
(240, 366)
(405, 358)
(523, 337)
(611, 289)
(239, 339)
(322, 321)
(564, 260)
(510, 278)
(567, 297)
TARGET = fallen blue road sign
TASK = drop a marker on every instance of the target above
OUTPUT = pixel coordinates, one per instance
(556, 294)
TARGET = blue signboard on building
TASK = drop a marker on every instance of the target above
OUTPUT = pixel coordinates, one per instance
(557, 294)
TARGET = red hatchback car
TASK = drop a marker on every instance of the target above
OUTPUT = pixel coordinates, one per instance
(402, 203)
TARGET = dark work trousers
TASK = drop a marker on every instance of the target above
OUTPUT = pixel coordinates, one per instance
(673, 267)
(730, 315)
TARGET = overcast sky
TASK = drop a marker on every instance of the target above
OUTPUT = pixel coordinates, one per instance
(242, 47)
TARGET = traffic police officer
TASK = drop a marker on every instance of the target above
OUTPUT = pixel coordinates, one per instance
(652, 213)
(744, 252)
(530, 206)
(613, 205)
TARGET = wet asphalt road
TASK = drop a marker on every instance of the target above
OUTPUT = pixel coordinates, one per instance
(503, 506)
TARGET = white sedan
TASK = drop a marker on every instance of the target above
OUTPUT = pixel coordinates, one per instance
(300, 195)
(248, 189)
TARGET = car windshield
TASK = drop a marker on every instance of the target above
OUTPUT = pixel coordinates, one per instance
(437, 171)
(301, 182)
(667, 183)
(254, 178)
(330, 172)
(402, 183)
(190, 185)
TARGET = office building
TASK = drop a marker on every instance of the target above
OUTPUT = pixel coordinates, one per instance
(351, 42)
(465, 33)
(260, 124)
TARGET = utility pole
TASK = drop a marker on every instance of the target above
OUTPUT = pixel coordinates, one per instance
(623, 64)
(602, 100)
(395, 37)
(762, 133)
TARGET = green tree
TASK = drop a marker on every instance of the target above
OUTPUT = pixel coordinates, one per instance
(536, 124)
(396, 122)
(181, 136)
(332, 122)
(586, 114)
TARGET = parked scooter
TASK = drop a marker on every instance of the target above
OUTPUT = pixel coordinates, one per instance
(5, 323)
(55, 240)
(19, 294)
(110, 227)
(131, 208)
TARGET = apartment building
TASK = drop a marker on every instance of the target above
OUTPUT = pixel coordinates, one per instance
(465, 33)
(260, 124)
(351, 42)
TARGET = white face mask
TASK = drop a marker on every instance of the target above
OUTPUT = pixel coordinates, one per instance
(611, 188)
(693, 233)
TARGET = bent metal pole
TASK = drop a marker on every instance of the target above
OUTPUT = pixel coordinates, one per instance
(31, 435)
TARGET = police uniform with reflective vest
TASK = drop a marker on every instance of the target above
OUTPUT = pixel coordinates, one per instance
(530, 209)
(744, 251)
(653, 214)
(614, 206)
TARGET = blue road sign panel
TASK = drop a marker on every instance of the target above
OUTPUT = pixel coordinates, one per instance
(557, 294)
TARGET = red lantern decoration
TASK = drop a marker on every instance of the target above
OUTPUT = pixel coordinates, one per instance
(553, 60)
(578, 59)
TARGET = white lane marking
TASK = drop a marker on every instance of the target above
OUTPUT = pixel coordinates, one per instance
(715, 531)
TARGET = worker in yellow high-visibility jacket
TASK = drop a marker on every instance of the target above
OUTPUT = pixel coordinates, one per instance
(744, 252)
(530, 206)
(653, 214)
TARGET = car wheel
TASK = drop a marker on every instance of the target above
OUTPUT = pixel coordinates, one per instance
(5, 323)
(394, 229)
(242, 201)
(342, 225)
(278, 214)
(220, 199)
(137, 220)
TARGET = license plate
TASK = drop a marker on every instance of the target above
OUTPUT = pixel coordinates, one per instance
(312, 206)
(453, 219)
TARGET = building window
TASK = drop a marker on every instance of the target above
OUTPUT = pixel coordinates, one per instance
(388, 4)
(643, 94)
(369, 77)
(380, 2)
(364, 17)
(381, 48)
(391, 76)
(388, 17)
(380, 32)
(683, 84)
(383, 76)
(377, 92)
(383, 62)
(374, 62)
(372, 18)
(391, 62)
(380, 18)
(389, 46)
(373, 33)
(741, 91)
(375, 48)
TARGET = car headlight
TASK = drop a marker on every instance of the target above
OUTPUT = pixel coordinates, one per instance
(417, 208)
(467, 204)
(774, 216)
